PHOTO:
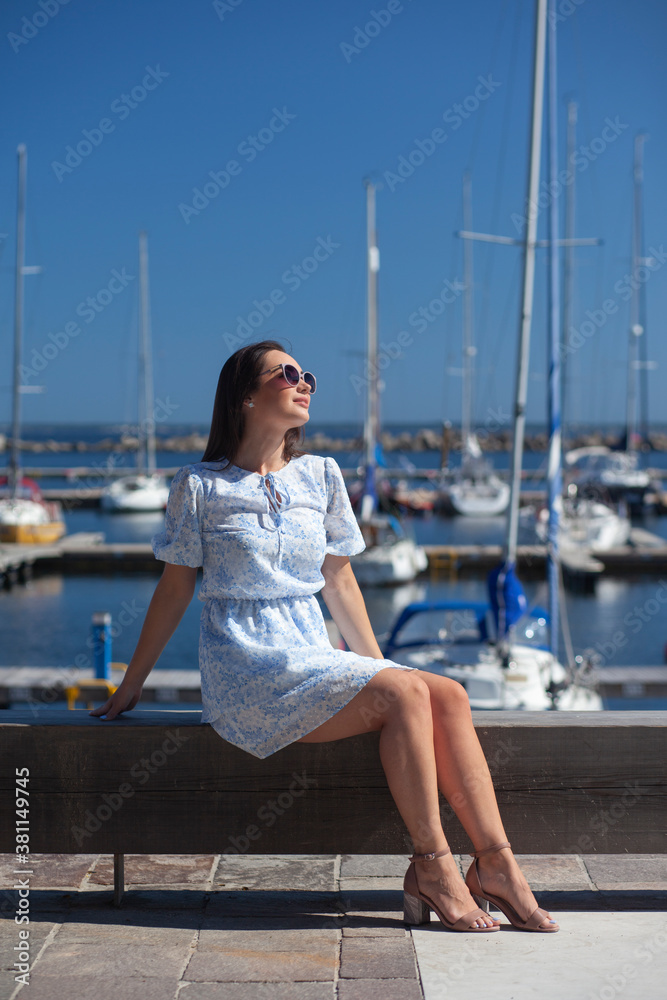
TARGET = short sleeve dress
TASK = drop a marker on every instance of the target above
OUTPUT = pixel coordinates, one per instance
(269, 673)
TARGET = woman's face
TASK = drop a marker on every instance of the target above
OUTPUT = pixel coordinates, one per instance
(275, 399)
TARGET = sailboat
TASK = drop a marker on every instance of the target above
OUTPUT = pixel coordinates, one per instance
(146, 490)
(25, 517)
(390, 556)
(476, 490)
(616, 475)
(587, 524)
(504, 664)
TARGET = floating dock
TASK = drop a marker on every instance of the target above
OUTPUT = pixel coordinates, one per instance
(39, 687)
(87, 552)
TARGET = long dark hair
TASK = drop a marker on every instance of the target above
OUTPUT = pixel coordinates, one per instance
(238, 379)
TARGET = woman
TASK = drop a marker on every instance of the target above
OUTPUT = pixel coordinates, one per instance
(271, 526)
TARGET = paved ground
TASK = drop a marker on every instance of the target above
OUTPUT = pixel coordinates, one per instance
(195, 927)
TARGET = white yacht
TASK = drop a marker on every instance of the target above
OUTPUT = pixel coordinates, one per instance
(146, 489)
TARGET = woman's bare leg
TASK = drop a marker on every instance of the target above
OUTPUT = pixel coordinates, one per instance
(465, 781)
(398, 703)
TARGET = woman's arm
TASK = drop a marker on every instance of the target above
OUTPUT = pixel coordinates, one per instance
(345, 601)
(172, 596)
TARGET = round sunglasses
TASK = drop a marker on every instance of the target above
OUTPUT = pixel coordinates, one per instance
(293, 376)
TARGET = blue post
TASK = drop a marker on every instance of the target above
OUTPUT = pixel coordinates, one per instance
(101, 629)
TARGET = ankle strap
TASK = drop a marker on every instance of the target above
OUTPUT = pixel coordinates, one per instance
(487, 850)
(430, 857)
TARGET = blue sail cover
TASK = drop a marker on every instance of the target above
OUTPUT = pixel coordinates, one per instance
(506, 596)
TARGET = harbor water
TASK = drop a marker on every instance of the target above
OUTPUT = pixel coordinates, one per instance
(46, 622)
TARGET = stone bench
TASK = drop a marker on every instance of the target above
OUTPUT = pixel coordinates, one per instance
(160, 782)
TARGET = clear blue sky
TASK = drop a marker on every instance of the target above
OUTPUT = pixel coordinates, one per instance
(222, 73)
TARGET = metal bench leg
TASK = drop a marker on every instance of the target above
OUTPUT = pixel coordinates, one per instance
(118, 878)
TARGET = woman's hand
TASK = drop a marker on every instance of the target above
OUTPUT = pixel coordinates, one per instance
(124, 698)
(172, 596)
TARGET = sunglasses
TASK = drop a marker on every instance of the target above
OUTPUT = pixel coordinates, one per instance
(293, 376)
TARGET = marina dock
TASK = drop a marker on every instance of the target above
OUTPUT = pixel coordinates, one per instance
(40, 687)
(87, 552)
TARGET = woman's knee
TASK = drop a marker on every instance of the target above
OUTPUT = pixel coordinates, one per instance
(446, 693)
(399, 688)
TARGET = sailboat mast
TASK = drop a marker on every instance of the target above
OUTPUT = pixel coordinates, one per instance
(14, 477)
(636, 330)
(147, 429)
(371, 428)
(568, 269)
(468, 349)
(528, 282)
(555, 479)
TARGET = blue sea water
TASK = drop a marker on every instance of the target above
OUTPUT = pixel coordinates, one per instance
(47, 622)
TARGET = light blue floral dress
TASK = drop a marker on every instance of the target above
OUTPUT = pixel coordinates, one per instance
(269, 673)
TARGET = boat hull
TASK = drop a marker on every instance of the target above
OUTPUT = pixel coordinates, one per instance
(32, 534)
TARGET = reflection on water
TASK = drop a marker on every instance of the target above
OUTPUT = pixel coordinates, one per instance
(121, 527)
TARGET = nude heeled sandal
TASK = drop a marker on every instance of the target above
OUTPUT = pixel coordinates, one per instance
(480, 896)
(416, 905)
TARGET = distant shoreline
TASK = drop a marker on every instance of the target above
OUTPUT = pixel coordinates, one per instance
(423, 439)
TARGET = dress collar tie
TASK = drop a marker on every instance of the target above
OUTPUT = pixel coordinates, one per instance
(275, 507)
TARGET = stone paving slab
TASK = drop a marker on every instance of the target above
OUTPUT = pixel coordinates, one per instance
(377, 958)
(258, 991)
(359, 884)
(157, 869)
(379, 989)
(286, 872)
(266, 939)
(592, 956)
(252, 965)
(102, 959)
(376, 865)
(107, 988)
(8, 938)
(73, 933)
(643, 871)
(49, 870)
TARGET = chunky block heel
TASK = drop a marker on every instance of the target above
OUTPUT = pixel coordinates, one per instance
(417, 906)
(481, 902)
(415, 911)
